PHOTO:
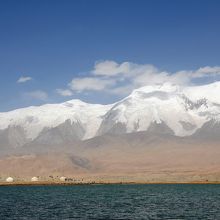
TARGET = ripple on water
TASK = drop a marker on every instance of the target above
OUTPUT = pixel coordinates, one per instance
(110, 202)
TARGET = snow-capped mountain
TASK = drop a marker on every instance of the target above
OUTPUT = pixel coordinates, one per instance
(71, 120)
(181, 109)
(167, 108)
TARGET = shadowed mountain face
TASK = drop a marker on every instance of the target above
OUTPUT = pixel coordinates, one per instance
(12, 137)
(159, 128)
(209, 131)
(63, 134)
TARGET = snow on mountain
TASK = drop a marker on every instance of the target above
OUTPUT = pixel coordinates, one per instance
(34, 119)
(211, 92)
(166, 103)
(182, 110)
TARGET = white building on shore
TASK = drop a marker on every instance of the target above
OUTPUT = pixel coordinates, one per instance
(9, 180)
(34, 179)
(63, 178)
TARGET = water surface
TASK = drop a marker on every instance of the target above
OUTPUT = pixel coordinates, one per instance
(110, 202)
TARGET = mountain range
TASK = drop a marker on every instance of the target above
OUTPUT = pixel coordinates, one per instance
(167, 108)
(141, 131)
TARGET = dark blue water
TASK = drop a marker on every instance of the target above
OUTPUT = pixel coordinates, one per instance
(110, 202)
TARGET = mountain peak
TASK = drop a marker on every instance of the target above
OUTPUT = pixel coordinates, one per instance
(74, 102)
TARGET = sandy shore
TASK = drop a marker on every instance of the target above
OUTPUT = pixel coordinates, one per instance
(59, 183)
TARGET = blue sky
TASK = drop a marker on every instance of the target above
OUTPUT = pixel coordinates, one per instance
(99, 51)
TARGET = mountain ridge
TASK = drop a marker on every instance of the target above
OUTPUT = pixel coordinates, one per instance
(167, 108)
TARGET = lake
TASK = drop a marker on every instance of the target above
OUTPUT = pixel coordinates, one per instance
(157, 201)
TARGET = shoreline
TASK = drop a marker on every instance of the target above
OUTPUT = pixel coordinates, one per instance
(47, 183)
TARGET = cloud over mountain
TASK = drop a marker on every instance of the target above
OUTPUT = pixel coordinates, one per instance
(121, 78)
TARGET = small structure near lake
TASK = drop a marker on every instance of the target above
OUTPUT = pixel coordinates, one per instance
(9, 180)
(63, 178)
(34, 179)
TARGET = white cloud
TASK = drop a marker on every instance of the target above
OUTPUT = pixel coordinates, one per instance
(110, 68)
(90, 83)
(64, 92)
(128, 76)
(38, 94)
(24, 79)
(159, 77)
(206, 71)
(121, 78)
